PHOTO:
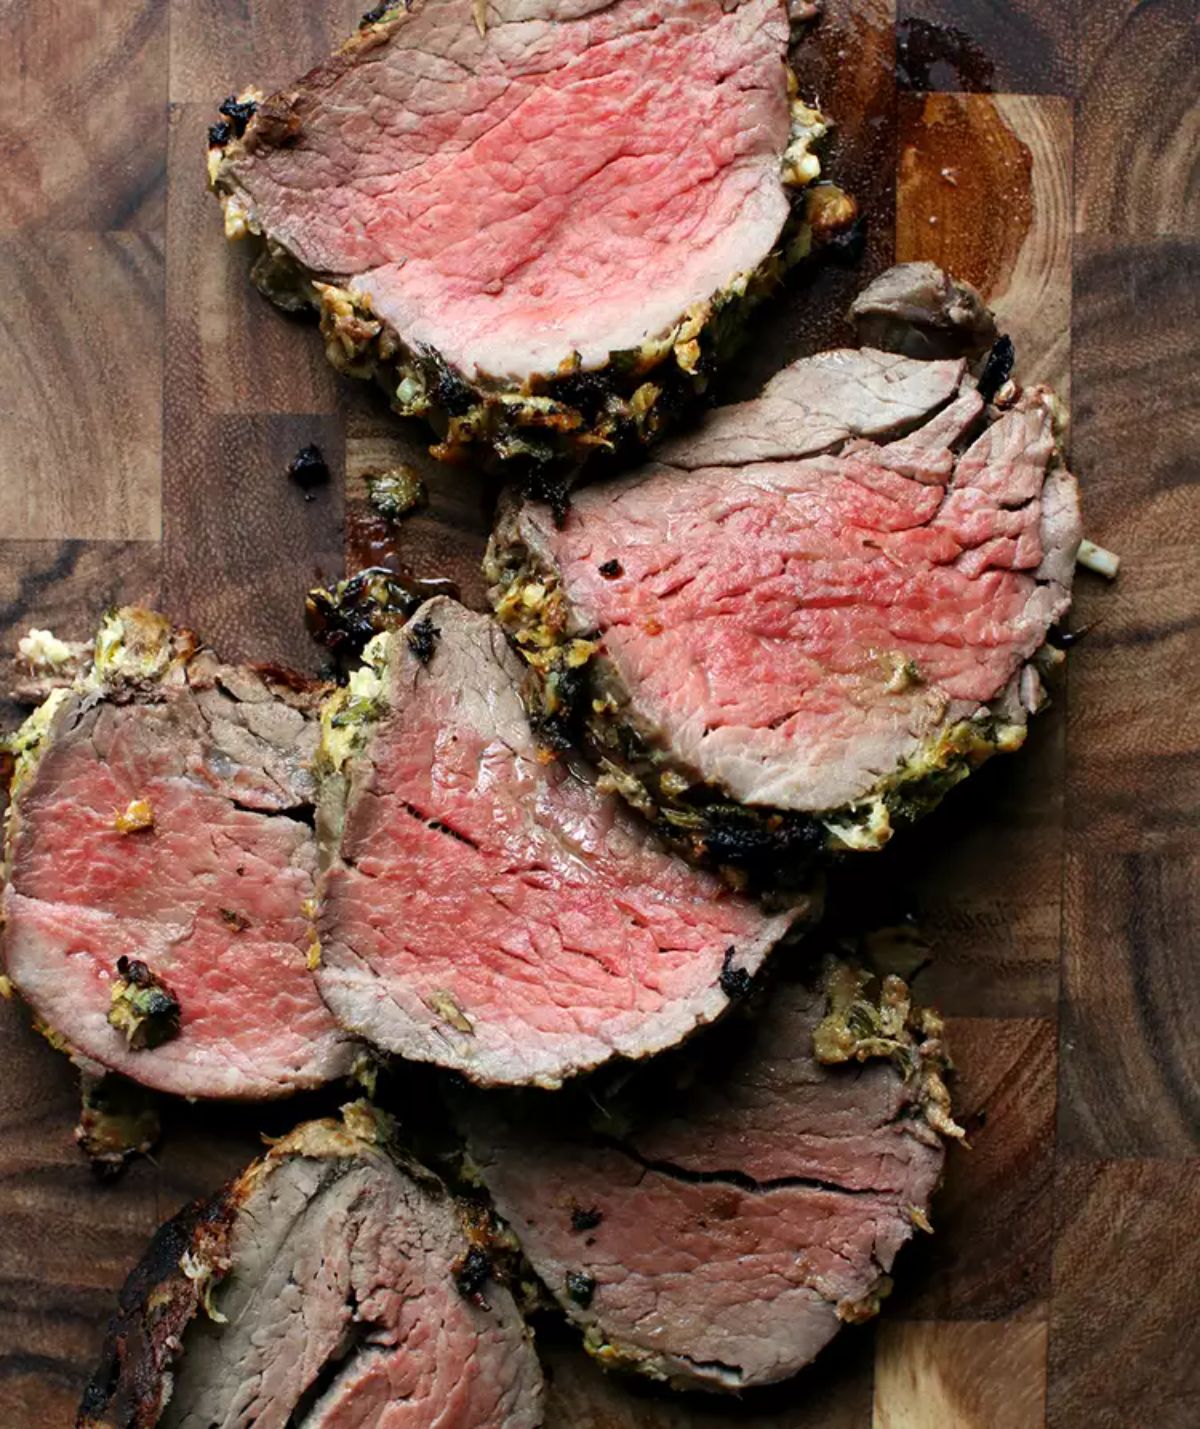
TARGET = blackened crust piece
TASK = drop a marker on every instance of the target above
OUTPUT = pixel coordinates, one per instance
(537, 224)
(727, 1212)
(159, 857)
(485, 907)
(318, 1288)
(832, 602)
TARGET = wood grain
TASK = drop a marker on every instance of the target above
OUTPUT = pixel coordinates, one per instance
(1019, 46)
(83, 115)
(81, 343)
(140, 374)
(1126, 1262)
(988, 1375)
(1138, 156)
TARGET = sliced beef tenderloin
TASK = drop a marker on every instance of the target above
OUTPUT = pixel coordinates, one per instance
(484, 906)
(818, 607)
(720, 1218)
(921, 311)
(535, 222)
(321, 1288)
(159, 860)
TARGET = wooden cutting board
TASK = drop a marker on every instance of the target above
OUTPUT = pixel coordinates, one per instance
(150, 403)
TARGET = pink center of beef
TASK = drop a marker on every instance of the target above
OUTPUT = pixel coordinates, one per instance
(558, 186)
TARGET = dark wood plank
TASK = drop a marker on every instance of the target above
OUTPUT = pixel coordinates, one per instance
(988, 1375)
(1019, 46)
(81, 341)
(1122, 1330)
(990, 1256)
(220, 46)
(1138, 153)
(82, 114)
(1130, 1062)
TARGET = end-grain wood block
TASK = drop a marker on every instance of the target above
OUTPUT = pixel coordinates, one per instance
(1131, 983)
(65, 586)
(1123, 1345)
(444, 538)
(984, 190)
(81, 335)
(986, 1375)
(834, 1393)
(218, 47)
(990, 1254)
(1138, 119)
(231, 351)
(83, 114)
(243, 542)
(1020, 46)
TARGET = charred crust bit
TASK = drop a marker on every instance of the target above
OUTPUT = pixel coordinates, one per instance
(581, 1288)
(448, 389)
(143, 1006)
(998, 368)
(238, 112)
(735, 982)
(545, 484)
(235, 920)
(610, 570)
(1064, 639)
(308, 468)
(219, 134)
(343, 617)
(585, 1220)
(375, 14)
(471, 1273)
(117, 1120)
(422, 639)
(848, 245)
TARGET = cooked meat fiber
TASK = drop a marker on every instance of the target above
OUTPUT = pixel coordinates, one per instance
(487, 908)
(725, 1217)
(828, 603)
(917, 309)
(318, 1290)
(159, 856)
(486, 201)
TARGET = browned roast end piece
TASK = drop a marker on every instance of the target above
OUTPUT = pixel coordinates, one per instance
(320, 1287)
(159, 857)
(535, 225)
(920, 311)
(723, 1217)
(817, 612)
(484, 906)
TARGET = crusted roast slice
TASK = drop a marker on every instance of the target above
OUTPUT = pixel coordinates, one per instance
(535, 221)
(485, 907)
(824, 606)
(319, 1289)
(724, 1215)
(159, 856)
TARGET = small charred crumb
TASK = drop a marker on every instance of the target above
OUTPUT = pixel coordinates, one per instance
(735, 982)
(447, 388)
(587, 392)
(1064, 639)
(308, 468)
(143, 1006)
(581, 1287)
(998, 367)
(117, 1120)
(610, 570)
(846, 245)
(422, 639)
(472, 1273)
(375, 14)
(739, 836)
(343, 617)
(219, 134)
(585, 1220)
(238, 112)
(396, 493)
(235, 920)
(542, 483)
